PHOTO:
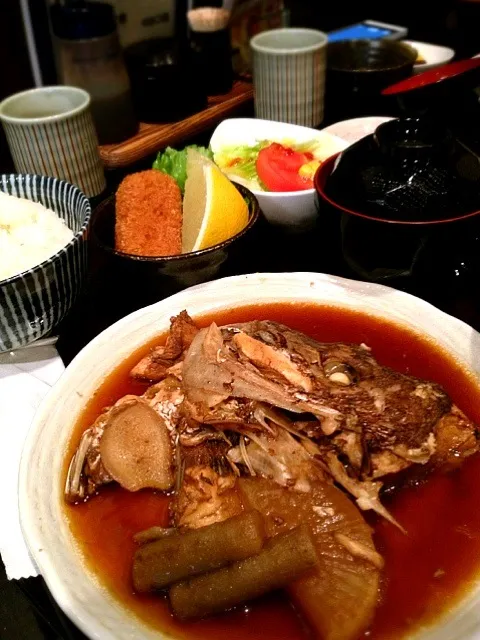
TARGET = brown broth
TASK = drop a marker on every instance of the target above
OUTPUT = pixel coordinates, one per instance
(426, 571)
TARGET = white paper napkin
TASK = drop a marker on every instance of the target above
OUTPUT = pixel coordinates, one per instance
(25, 378)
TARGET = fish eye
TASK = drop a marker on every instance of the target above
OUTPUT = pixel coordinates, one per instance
(340, 373)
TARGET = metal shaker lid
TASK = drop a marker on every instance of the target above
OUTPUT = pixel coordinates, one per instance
(82, 20)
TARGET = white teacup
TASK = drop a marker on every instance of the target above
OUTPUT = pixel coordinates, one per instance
(50, 132)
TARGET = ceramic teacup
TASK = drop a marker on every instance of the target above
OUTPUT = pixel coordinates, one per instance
(289, 75)
(50, 132)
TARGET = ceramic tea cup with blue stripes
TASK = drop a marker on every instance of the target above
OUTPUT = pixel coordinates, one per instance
(33, 302)
(50, 132)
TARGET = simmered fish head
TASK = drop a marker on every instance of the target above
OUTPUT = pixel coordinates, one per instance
(270, 400)
(378, 421)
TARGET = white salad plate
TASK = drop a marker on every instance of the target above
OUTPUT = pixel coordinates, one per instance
(76, 589)
(294, 209)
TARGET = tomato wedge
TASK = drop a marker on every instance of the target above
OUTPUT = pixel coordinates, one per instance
(278, 167)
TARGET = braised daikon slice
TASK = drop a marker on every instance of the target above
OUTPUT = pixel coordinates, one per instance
(136, 449)
(339, 597)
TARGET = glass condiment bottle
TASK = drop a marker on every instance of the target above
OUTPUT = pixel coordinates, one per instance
(89, 56)
(211, 46)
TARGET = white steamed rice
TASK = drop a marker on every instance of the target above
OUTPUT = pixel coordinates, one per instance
(29, 234)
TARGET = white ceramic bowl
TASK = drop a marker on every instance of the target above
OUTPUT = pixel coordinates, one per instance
(295, 209)
(433, 54)
(355, 129)
(45, 528)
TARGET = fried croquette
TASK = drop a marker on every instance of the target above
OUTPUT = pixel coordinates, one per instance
(149, 215)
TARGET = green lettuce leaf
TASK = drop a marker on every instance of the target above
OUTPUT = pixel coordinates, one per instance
(240, 160)
(174, 162)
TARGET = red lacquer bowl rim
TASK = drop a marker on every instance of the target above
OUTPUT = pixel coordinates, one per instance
(325, 169)
(432, 76)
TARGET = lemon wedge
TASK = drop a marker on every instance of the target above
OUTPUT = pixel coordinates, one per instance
(213, 209)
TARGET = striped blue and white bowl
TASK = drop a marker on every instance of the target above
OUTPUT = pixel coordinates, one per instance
(35, 301)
